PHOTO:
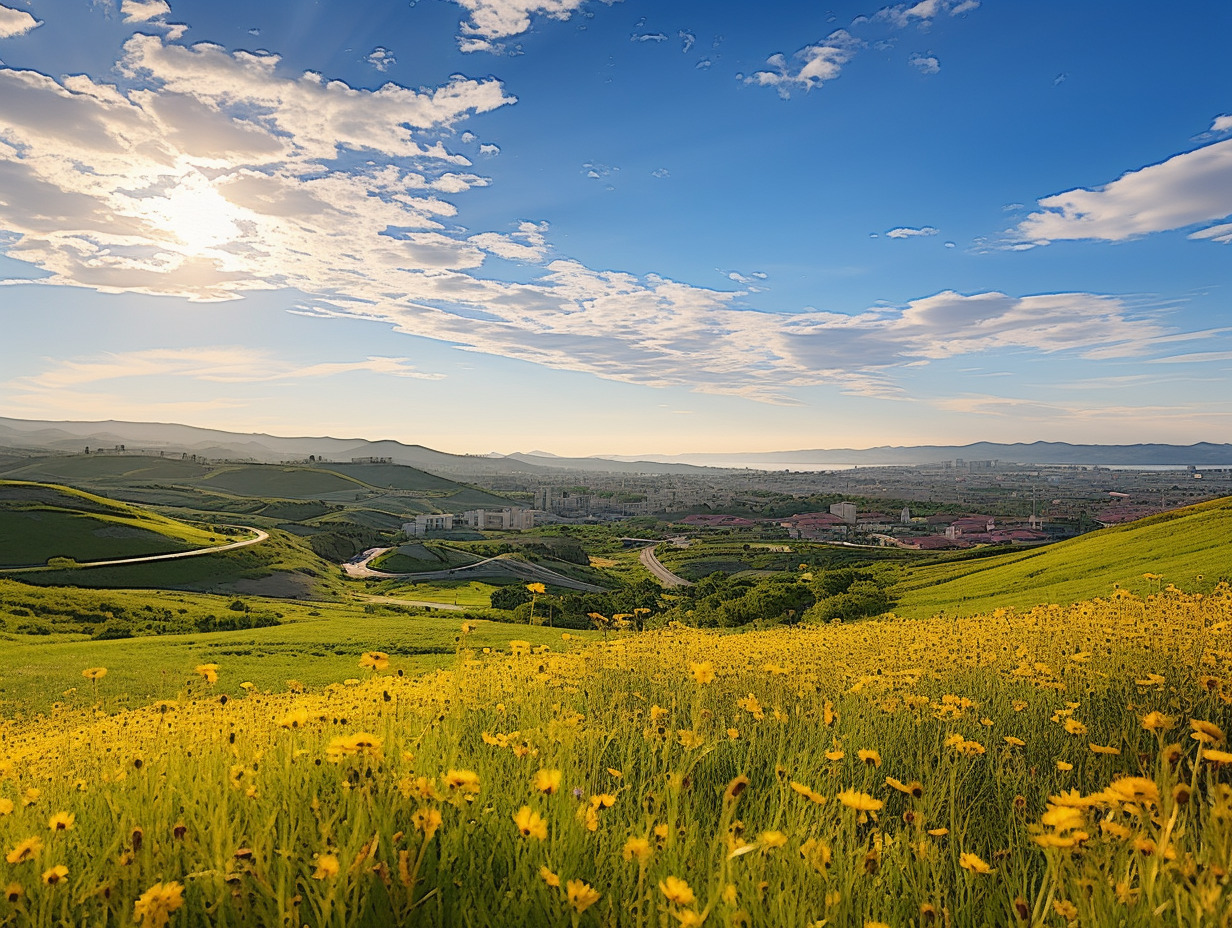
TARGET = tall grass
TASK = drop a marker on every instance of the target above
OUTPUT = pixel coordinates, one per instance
(1048, 767)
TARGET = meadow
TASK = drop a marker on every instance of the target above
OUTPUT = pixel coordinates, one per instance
(1052, 766)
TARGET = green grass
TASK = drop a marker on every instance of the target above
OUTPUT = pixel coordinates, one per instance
(42, 521)
(1182, 546)
(471, 593)
(418, 558)
(318, 644)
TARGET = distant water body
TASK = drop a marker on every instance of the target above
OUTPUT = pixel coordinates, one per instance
(815, 466)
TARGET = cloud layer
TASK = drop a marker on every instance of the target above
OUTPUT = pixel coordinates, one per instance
(15, 22)
(214, 175)
(1190, 188)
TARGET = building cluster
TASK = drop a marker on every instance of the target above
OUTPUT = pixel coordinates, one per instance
(508, 519)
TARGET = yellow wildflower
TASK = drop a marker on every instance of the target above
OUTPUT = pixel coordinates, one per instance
(530, 823)
(636, 847)
(153, 907)
(55, 874)
(25, 850)
(547, 781)
(973, 863)
(677, 891)
(581, 895)
(327, 867)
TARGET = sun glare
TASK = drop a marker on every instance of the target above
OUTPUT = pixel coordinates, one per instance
(196, 214)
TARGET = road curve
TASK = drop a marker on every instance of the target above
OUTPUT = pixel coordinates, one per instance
(259, 537)
(662, 574)
(500, 565)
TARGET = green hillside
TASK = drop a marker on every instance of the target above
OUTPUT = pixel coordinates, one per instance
(43, 521)
(1190, 547)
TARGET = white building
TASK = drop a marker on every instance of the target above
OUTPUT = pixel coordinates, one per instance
(433, 522)
(509, 519)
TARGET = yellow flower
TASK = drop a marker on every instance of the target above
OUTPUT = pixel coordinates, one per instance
(1216, 756)
(834, 755)
(735, 788)
(547, 781)
(636, 847)
(94, 674)
(703, 673)
(1064, 766)
(360, 743)
(1014, 742)
(973, 863)
(861, 802)
(428, 821)
(1206, 732)
(938, 832)
(1157, 721)
(817, 854)
(153, 907)
(465, 781)
(549, 877)
(581, 895)
(374, 660)
(208, 672)
(869, 757)
(677, 891)
(772, 839)
(296, 718)
(13, 892)
(808, 792)
(1103, 749)
(914, 789)
(530, 823)
(25, 850)
(327, 867)
(55, 874)
(6, 806)
(61, 821)
(1075, 727)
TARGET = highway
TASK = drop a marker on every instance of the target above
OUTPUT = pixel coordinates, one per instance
(662, 574)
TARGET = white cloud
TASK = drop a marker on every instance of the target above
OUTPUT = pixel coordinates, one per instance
(210, 364)
(923, 12)
(925, 64)
(489, 149)
(492, 20)
(813, 65)
(214, 176)
(1222, 124)
(1221, 233)
(15, 22)
(140, 11)
(907, 232)
(381, 58)
(1189, 188)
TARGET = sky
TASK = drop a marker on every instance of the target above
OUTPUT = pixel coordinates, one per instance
(588, 227)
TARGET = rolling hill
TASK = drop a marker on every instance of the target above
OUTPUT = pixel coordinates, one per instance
(1190, 547)
(43, 521)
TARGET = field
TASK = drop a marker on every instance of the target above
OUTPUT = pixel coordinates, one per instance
(1188, 547)
(1054, 766)
(39, 522)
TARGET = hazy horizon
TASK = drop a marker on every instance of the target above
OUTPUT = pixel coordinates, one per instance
(584, 227)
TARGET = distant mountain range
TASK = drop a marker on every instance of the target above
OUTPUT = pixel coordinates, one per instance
(74, 437)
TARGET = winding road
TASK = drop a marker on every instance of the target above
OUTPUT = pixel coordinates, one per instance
(662, 574)
(501, 565)
(259, 536)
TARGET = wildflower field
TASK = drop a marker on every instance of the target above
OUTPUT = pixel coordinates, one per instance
(1057, 766)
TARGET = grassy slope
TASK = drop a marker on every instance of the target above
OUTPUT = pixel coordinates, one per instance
(313, 649)
(41, 521)
(1181, 546)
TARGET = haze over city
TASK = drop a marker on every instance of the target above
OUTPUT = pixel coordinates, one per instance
(617, 228)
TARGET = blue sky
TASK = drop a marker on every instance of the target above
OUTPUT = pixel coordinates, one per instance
(625, 227)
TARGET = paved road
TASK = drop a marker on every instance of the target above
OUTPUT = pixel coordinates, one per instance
(500, 566)
(662, 574)
(259, 536)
